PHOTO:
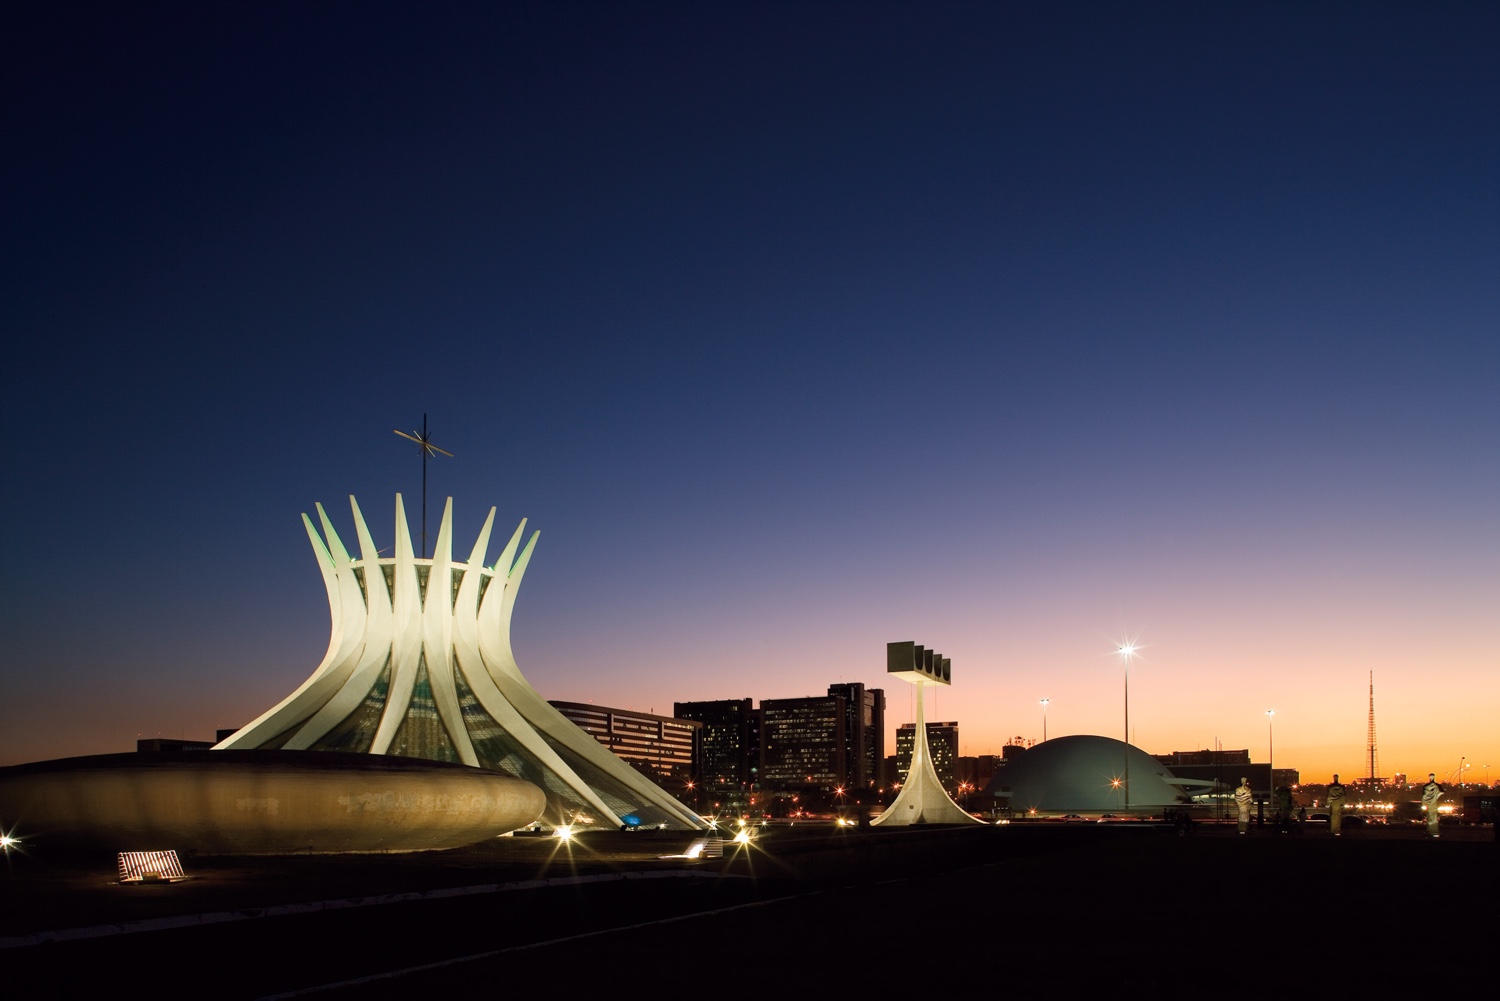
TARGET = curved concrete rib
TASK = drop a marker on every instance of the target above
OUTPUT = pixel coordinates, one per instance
(406, 636)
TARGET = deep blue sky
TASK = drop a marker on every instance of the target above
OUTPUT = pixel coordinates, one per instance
(795, 328)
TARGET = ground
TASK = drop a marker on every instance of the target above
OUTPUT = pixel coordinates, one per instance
(1073, 908)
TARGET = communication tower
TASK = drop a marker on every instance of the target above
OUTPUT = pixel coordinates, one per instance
(1372, 760)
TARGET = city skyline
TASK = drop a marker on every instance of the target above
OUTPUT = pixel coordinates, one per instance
(1020, 330)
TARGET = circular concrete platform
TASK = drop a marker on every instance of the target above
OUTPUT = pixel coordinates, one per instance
(262, 802)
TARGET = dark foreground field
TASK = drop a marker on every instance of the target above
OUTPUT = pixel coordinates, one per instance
(1083, 910)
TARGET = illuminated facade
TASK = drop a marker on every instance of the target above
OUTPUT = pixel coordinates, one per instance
(864, 733)
(803, 743)
(942, 748)
(419, 664)
(728, 742)
(659, 746)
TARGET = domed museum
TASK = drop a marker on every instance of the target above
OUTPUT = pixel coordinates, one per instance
(1084, 773)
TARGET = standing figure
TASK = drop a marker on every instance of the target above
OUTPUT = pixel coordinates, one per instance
(1284, 809)
(1243, 797)
(1431, 793)
(1335, 805)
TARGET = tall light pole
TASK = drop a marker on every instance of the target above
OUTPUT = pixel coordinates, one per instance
(1045, 703)
(1127, 651)
(1271, 751)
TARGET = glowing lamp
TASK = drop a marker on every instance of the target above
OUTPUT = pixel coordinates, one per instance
(150, 867)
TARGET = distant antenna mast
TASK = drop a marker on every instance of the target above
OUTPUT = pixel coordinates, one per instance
(1370, 749)
(428, 450)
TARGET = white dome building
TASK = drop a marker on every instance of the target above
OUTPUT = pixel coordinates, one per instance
(1087, 774)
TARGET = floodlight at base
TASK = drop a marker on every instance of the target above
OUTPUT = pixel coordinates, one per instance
(701, 848)
(150, 867)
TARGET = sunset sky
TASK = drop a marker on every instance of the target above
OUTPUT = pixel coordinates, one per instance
(1017, 330)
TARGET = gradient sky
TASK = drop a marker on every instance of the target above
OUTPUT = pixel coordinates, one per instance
(1012, 329)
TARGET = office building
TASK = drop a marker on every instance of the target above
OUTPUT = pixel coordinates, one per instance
(1222, 768)
(942, 743)
(727, 750)
(804, 742)
(864, 734)
(660, 747)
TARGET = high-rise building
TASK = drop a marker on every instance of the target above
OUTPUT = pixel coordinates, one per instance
(942, 742)
(659, 746)
(864, 733)
(727, 754)
(832, 742)
(803, 743)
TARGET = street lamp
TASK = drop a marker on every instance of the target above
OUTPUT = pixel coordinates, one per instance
(1045, 703)
(1459, 773)
(1126, 652)
(1271, 751)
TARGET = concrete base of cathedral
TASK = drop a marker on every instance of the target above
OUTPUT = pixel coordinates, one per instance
(261, 802)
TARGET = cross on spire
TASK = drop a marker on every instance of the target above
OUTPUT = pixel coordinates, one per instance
(429, 450)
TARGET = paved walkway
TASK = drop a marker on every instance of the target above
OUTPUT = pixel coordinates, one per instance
(1024, 905)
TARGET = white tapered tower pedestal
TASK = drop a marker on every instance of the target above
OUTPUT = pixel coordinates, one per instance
(922, 800)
